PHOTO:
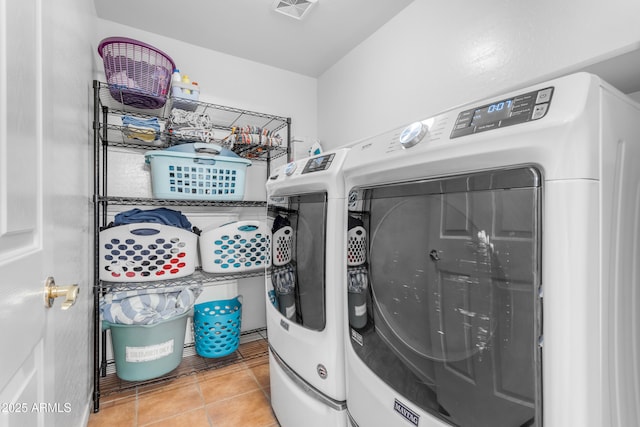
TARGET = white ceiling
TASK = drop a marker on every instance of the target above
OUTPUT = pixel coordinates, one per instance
(251, 29)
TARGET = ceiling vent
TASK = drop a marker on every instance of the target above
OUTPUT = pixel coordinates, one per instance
(294, 8)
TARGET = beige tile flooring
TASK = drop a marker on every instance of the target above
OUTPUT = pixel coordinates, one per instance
(230, 396)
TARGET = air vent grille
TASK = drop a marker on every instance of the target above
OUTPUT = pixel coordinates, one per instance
(297, 9)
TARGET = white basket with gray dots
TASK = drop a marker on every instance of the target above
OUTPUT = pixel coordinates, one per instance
(356, 246)
(238, 246)
(282, 246)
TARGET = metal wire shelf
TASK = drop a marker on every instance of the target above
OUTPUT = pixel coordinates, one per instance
(198, 277)
(222, 116)
(116, 137)
(108, 132)
(137, 201)
(253, 350)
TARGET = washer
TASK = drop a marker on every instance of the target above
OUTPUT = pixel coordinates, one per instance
(306, 206)
(502, 240)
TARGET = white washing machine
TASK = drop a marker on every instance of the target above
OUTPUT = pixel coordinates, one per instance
(502, 254)
(306, 210)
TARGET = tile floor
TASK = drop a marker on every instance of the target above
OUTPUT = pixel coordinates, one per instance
(230, 396)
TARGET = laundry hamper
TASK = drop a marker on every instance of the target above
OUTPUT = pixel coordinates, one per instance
(143, 252)
(216, 327)
(200, 175)
(143, 352)
(283, 245)
(236, 247)
(138, 74)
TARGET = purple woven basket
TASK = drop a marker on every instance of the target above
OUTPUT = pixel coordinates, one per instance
(138, 74)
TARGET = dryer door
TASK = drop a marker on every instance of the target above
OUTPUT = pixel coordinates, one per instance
(298, 224)
(453, 308)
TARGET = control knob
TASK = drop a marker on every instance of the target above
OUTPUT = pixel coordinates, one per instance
(413, 134)
(290, 168)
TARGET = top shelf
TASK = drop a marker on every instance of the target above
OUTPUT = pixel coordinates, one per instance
(223, 117)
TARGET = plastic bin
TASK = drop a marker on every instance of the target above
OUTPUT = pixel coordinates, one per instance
(146, 252)
(235, 247)
(216, 327)
(143, 352)
(196, 176)
(138, 74)
(185, 100)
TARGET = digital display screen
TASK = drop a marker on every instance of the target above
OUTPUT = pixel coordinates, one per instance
(492, 113)
(318, 163)
(507, 112)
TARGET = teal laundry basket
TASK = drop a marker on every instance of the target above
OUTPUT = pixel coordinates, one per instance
(216, 326)
(144, 352)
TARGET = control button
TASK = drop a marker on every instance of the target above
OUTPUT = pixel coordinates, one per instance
(521, 104)
(273, 177)
(461, 132)
(413, 134)
(526, 97)
(539, 111)
(290, 168)
(487, 126)
(514, 120)
(465, 115)
(522, 110)
(544, 96)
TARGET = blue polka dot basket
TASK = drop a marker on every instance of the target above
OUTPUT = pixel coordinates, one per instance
(239, 246)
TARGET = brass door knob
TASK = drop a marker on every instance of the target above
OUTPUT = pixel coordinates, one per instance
(51, 292)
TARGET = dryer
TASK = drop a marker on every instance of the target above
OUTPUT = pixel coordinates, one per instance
(502, 244)
(306, 210)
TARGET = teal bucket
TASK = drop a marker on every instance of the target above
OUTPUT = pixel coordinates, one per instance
(144, 352)
(216, 326)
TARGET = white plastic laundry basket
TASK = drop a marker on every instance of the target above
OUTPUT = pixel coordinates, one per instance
(356, 246)
(238, 246)
(283, 246)
(146, 252)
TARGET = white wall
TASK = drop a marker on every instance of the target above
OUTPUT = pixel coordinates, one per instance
(229, 80)
(437, 55)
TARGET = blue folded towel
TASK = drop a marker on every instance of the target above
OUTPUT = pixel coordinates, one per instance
(147, 130)
(159, 216)
(148, 306)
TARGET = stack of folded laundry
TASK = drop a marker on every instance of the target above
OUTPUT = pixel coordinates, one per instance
(146, 130)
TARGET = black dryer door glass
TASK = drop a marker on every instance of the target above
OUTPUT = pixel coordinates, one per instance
(453, 311)
(298, 225)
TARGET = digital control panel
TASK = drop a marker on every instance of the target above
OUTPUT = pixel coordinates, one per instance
(507, 112)
(319, 163)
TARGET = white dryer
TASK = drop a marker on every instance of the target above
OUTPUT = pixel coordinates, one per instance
(306, 210)
(502, 253)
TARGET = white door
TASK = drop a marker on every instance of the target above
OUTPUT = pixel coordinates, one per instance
(25, 378)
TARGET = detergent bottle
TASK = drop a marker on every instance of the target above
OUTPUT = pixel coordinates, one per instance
(176, 78)
(186, 81)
